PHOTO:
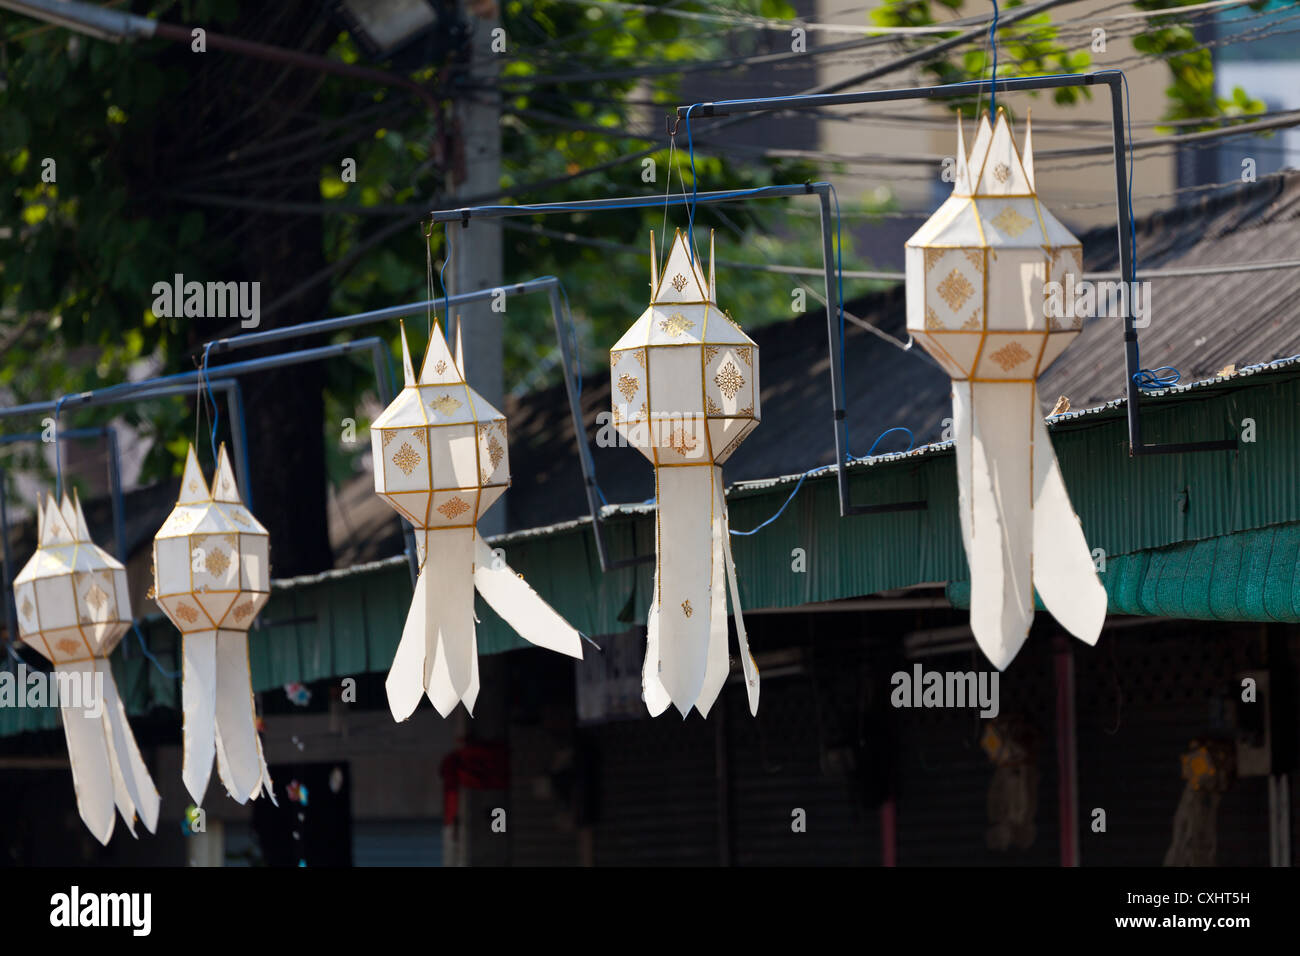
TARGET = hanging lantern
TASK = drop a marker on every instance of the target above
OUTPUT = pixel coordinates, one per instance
(685, 394)
(73, 608)
(441, 461)
(976, 275)
(212, 576)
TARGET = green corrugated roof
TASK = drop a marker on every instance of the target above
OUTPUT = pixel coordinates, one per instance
(1191, 535)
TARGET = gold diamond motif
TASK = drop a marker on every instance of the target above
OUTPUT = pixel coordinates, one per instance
(729, 380)
(243, 612)
(495, 451)
(406, 458)
(686, 608)
(1010, 222)
(627, 384)
(1002, 172)
(444, 404)
(26, 607)
(955, 289)
(676, 324)
(217, 561)
(453, 507)
(1010, 355)
(186, 613)
(96, 598)
(69, 646)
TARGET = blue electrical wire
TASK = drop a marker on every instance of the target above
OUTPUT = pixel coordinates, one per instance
(58, 458)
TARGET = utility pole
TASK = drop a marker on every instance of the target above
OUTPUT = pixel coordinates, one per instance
(476, 249)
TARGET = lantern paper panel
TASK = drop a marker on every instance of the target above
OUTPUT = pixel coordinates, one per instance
(976, 275)
(441, 460)
(685, 394)
(73, 608)
(212, 576)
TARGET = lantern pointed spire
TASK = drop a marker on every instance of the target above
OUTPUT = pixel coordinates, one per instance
(1000, 172)
(224, 487)
(194, 489)
(460, 349)
(683, 279)
(961, 181)
(79, 527)
(56, 529)
(1027, 156)
(439, 367)
(408, 369)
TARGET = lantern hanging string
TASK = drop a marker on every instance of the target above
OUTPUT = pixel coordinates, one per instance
(214, 412)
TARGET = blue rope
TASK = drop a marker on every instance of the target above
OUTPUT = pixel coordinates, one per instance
(170, 675)
(58, 458)
(214, 411)
(690, 219)
(993, 77)
(446, 298)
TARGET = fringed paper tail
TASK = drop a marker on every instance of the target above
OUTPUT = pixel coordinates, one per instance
(1016, 521)
(107, 769)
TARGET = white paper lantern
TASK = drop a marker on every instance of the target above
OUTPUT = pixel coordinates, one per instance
(73, 609)
(685, 394)
(441, 460)
(212, 576)
(976, 276)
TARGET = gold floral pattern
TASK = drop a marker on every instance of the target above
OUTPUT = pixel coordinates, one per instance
(440, 367)
(679, 282)
(240, 519)
(217, 561)
(453, 507)
(243, 611)
(495, 451)
(388, 435)
(682, 442)
(1010, 222)
(686, 608)
(746, 353)
(1010, 355)
(1002, 172)
(627, 384)
(975, 257)
(974, 322)
(955, 289)
(709, 352)
(932, 320)
(640, 356)
(711, 406)
(729, 380)
(421, 436)
(932, 256)
(186, 613)
(26, 607)
(68, 646)
(676, 324)
(444, 404)
(407, 458)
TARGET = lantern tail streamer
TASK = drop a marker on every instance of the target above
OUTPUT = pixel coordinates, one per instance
(684, 557)
(140, 789)
(405, 683)
(652, 690)
(747, 665)
(240, 764)
(92, 771)
(1064, 573)
(1017, 523)
(199, 707)
(520, 606)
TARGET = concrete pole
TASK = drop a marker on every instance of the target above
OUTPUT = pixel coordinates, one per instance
(476, 249)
